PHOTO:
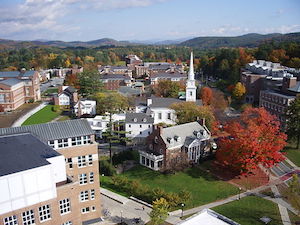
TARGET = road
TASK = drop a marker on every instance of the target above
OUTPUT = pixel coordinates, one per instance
(56, 81)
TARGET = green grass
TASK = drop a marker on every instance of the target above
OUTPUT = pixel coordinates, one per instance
(294, 218)
(248, 210)
(203, 186)
(293, 154)
(63, 118)
(43, 116)
(50, 91)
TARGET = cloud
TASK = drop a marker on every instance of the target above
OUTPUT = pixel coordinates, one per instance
(45, 16)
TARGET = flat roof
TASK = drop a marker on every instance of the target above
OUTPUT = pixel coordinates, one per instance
(22, 152)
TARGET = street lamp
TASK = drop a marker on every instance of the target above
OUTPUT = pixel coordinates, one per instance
(121, 217)
(182, 205)
(240, 192)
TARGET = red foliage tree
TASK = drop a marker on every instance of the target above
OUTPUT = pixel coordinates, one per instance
(255, 139)
(206, 95)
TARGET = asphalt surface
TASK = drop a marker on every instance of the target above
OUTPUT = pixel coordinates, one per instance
(55, 81)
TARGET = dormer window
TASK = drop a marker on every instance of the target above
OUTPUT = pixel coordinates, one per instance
(135, 120)
(144, 120)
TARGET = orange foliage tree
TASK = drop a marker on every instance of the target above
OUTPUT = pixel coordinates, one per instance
(206, 95)
(255, 139)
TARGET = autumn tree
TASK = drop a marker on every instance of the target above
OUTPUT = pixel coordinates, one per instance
(293, 120)
(167, 88)
(239, 90)
(254, 139)
(218, 101)
(189, 112)
(206, 95)
(72, 80)
(159, 212)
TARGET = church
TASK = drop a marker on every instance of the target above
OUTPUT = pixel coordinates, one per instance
(159, 108)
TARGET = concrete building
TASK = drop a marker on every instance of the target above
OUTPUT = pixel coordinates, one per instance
(49, 174)
(171, 146)
(85, 107)
(138, 126)
(10, 91)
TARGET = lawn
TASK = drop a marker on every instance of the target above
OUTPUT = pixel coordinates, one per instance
(50, 91)
(293, 154)
(43, 116)
(203, 186)
(248, 210)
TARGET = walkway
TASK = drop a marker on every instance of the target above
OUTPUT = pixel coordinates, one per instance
(22, 119)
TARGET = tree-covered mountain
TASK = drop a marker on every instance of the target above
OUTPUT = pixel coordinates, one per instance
(248, 40)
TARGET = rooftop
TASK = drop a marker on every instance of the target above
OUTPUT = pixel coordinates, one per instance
(54, 130)
(158, 102)
(11, 82)
(169, 75)
(23, 152)
(138, 118)
(111, 76)
(7, 74)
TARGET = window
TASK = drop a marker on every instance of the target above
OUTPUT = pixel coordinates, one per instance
(83, 178)
(28, 217)
(149, 126)
(140, 126)
(169, 116)
(69, 163)
(92, 194)
(90, 160)
(159, 116)
(67, 223)
(64, 206)
(129, 126)
(81, 161)
(141, 132)
(191, 93)
(51, 144)
(76, 141)
(85, 210)
(11, 220)
(84, 196)
(86, 139)
(63, 143)
(91, 177)
(44, 213)
(93, 208)
(2, 98)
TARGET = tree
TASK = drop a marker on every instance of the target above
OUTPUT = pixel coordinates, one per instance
(218, 101)
(206, 95)
(239, 90)
(72, 80)
(167, 88)
(111, 103)
(189, 112)
(254, 139)
(293, 120)
(89, 82)
(159, 212)
(293, 192)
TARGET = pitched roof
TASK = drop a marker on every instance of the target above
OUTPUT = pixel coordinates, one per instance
(185, 132)
(138, 118)
(54, 130)
(22, 152)
(167, 102)
(11, 82)
(27, 73)
(296, 88)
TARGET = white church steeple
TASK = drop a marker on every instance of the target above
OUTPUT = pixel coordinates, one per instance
(190, 94)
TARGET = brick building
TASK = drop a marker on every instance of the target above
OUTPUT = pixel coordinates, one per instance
(49, 174)
(114, 81)
(17, 87)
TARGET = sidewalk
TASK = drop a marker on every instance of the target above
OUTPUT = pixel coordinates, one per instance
(22, 119)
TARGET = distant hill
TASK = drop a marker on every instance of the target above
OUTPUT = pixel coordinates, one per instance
(62, 44)
(247, 40)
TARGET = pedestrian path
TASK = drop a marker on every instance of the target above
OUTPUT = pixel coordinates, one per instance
(282, 210)
(22, 119)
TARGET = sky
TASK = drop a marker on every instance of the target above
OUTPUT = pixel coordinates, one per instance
(84, 20)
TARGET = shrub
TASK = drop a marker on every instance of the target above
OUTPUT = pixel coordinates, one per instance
(125, 155)
(106, 168)
(31, 100)
(56, 108)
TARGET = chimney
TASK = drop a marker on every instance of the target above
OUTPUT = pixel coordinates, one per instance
(288, 82)
(202, 122)
(149, 101)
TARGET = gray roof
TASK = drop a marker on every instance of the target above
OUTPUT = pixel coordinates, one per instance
(27, 73)
(169, 75)
(296, 88)
(11, 81)
(112, 76)
(138, 118)
(54, 130)
(184, 131)
(129, 90)
(23, 152)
